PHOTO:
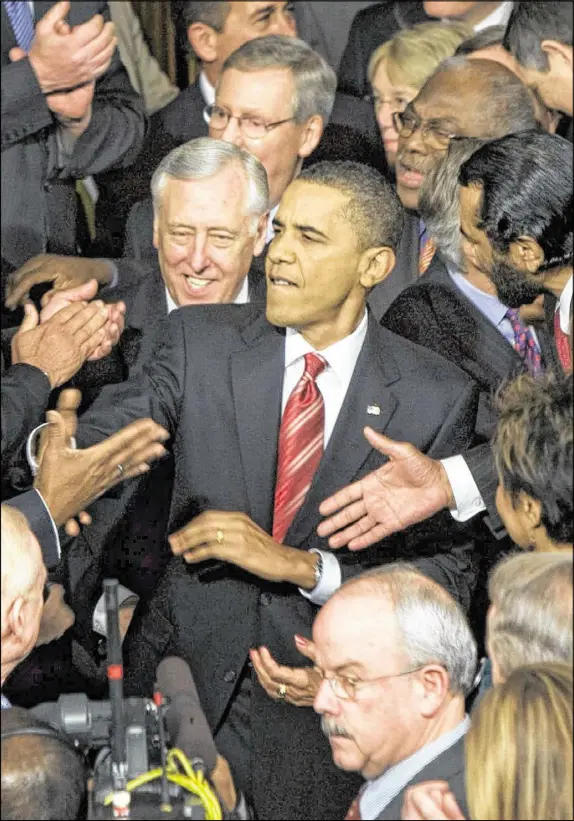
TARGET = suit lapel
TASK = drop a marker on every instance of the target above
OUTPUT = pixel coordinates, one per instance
(257, 380)
(347, 448)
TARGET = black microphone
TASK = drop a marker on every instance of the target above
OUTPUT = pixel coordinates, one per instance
(185, 719)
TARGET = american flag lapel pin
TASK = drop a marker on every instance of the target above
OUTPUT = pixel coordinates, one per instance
(373, 410)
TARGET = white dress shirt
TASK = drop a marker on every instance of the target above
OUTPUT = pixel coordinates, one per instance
(499, 17)
(333, 383)
(241, 299)
(207, 90)
(564, 307)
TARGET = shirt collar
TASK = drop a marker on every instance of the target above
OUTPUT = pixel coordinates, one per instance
(564, 304)
(379, 792)
(488, 304)
(241, 299)
(499, 17)
(341, 356)
(207, 90)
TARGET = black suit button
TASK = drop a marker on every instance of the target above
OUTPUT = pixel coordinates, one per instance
(229, 676)
(265, 599)
(47, 186)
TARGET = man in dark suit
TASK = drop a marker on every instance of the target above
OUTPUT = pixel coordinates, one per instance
(221, 381)
(514, 197)
(51, 139)
(396, 659)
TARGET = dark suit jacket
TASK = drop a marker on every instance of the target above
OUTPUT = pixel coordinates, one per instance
(38, 196)
(371, 28)
(436, 314)
(41, 524)
(450, 767)
(217, 387)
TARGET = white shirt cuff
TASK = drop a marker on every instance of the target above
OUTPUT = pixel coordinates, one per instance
(54, 528)
(32, 447)
(466, 494)
(329, 582)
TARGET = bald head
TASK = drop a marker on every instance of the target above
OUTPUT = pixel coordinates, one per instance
(463, 98)
(23, 577)
(397, 610)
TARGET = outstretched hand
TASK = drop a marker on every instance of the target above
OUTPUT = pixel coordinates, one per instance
(407, 489)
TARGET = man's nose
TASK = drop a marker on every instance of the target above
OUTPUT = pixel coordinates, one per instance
(413, 144)
(199, 257)
(326, 702)
(232, 132)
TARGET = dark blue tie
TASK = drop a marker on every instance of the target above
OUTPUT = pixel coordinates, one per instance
(22, 23)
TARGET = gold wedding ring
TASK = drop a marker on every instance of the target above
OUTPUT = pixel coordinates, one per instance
(281, 691)
(219, 536)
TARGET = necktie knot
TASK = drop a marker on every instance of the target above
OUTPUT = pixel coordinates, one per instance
(314, 365)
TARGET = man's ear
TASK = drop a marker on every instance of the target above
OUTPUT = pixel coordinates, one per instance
(526, 254)
(156, 231)
(312, 133)
(203, 40)
(16, 618)
(559, 56)
(434, 681)
(261, 234)
(375, 265)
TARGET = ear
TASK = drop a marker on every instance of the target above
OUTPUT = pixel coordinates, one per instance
(526, 255)
(16, 622)
(261, 234)
(434, 683)
(311, 134)
(156, 231)
(531, 509)
(203, 40)
(559, 56)
(375, 265)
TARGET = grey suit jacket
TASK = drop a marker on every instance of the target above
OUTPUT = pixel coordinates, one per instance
(449, 766)
(38, 196)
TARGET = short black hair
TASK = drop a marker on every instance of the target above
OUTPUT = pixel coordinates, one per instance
(374, 209)
(526, 182)
(533, 448)
(533, 22)
(490, 36)
(43, 777)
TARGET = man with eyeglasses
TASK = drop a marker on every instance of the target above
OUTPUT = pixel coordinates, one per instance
(396, 659)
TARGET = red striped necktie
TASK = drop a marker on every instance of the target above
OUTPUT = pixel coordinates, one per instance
(562, 345)
(354, 811)
(300, 449)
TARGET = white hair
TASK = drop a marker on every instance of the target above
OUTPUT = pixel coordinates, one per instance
(19, 566)
(433, 626)
(203, 158)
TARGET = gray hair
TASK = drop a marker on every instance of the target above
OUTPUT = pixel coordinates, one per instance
(433, 626)
(203, 158)
(438, 203)
(532, 619)
(314, 79)
(374, 210)
(213, 14)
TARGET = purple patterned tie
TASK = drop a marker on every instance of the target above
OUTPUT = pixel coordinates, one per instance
(525, 344)
(21, 21)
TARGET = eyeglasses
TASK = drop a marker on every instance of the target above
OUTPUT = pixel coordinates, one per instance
(435, 136)
(347, 688)
(394, 104)
(251, 127)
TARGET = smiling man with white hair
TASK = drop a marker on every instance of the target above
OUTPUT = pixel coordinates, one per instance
(397, 659)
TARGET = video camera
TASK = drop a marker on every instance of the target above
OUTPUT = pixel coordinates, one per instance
(152, 755)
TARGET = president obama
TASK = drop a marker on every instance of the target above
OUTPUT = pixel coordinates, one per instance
(267, 417)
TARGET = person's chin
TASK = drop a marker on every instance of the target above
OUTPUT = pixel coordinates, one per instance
(345, 754)
(408, 196)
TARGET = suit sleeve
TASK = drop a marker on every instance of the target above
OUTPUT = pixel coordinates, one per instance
(43, 526)
(480, 461)
(24, 108)
(117, 127)
(155, 393)
(25, 394)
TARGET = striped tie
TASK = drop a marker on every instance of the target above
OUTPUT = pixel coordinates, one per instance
(300, 445)
(21, 21)
(524, 343)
